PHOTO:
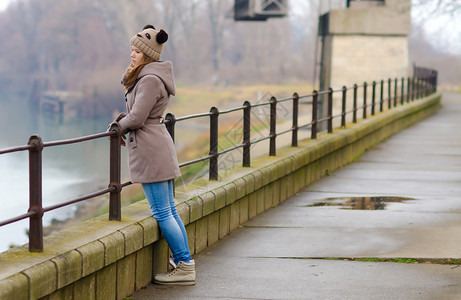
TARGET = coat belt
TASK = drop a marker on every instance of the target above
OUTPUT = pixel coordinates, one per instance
(158, 120)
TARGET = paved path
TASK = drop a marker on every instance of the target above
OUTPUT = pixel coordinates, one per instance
(281, 253)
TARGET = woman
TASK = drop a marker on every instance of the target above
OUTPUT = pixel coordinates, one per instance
(152, 156)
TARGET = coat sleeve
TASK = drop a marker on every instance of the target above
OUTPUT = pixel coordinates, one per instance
(148, 92)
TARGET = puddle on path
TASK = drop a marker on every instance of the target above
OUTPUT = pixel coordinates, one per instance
(360, 203)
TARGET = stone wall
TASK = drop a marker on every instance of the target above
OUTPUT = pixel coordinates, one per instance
(101, 259)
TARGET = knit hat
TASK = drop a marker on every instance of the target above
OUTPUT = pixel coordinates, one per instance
(150, 41)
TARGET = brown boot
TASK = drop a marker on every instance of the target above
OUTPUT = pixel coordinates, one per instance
(183, 274)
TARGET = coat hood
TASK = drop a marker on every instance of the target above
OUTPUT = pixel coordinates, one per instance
(163, 70)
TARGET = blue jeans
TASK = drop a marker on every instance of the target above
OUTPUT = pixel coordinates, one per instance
(161, 202)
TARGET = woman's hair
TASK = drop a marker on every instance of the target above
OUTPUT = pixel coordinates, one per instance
(129, 79)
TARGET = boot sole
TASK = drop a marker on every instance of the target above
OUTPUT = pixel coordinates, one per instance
(188, 282)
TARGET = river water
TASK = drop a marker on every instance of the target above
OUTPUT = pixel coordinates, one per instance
(68, 171)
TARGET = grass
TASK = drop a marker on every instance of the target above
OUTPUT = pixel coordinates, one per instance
(402, 260)
(199, 99)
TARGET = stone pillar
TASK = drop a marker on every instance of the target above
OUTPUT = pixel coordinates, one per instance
(366, 41)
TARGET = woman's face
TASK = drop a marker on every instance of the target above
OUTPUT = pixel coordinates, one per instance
(137, 57)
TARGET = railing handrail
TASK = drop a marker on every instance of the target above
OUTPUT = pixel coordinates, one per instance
(423, 83)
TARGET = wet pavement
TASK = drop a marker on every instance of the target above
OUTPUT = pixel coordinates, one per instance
(402, 199)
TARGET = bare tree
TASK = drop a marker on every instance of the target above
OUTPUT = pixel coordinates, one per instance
(186, 14)
(216, 15)
(447, 7)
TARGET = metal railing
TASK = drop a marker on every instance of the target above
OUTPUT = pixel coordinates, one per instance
(422, 84)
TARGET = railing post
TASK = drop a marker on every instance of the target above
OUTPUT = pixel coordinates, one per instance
(421, 95)
(115, 203)
(402, 96)
(343, 107)
(408, 89)
(373, 100)
(365, 100)
(170, 122)
(294, 134)
(315, 104)
(381, 96)
(421, 83)
(213, 172)
(426, 85)
(273, 119)
(354, 109)
(431, 83)
(421, 88)
(413, 88)
(330, 110)
(395, 91)
(418, 88)
(35, 194)
(389, 87)
(246, 161)
(424, 80)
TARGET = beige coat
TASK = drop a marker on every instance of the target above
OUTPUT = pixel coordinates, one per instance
(151, 152)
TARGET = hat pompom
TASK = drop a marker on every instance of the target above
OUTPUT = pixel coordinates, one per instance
(148, 26)
(162, 37)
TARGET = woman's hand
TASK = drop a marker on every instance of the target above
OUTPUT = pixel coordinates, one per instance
(122, 136)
